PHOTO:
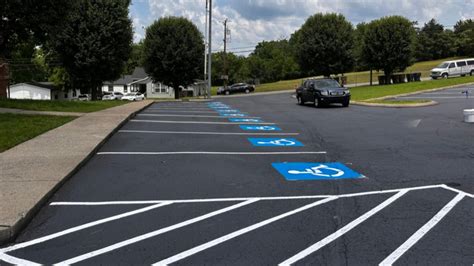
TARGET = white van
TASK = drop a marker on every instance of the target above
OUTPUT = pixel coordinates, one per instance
(447, 69)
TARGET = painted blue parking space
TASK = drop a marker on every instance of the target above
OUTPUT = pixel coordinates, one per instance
(315, 171)
(228, 111)
(275, 142)
(240, 120)
(260, 128)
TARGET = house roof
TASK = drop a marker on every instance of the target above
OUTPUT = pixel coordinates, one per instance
(138, 74)
(45, 85)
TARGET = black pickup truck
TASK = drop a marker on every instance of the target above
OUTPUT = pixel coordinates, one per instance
(322, 92)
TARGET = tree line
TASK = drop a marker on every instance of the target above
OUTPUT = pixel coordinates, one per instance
(83, 43)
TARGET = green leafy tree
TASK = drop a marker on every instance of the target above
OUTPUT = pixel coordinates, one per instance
(278, 60)
(324, 44)
(95, 43)
(27, 63)
(234, 65)
(174, 52)
(464, 33)
(29, 21)
(359, 35)
(136, 58)
(434, 42)
(389, 44)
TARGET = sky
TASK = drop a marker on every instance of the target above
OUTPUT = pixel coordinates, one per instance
(253, 21)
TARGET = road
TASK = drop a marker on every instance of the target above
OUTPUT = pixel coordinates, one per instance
(183, 183)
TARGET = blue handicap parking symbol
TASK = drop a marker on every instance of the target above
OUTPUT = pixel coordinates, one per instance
(249, 120)
(315, 171)
(257, 127)
(233, 115)
(275, 142)
(219, 107)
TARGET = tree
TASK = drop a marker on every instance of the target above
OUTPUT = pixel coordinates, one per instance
(434, 42)
(324, 45)
(95, 43)
(174, 52)
(464, 32)
(22, 21)
(359, 35)
(136, 58)
(389, 44)
(234, 65)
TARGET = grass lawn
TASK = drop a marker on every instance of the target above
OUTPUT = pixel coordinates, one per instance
(15, 129)
(60, 106)
(369, 92)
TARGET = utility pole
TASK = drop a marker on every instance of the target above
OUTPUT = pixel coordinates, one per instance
(209, 53)
(205, 41)
(224, 71)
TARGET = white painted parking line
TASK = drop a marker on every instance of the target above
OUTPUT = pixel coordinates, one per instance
(243, 201)
(350, 195)
(16, 261)
(198, 116)
(153, 234)
(212, 153)
(237, 233)
(83, 226)
(315, 247)
(209, 133)
(434, 97)
(175, 111)
(197, 122)
(394, 256)
(181, 108)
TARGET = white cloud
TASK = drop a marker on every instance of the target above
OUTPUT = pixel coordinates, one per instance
(252, 21)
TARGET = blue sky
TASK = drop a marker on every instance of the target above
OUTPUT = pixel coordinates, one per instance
(252, 21)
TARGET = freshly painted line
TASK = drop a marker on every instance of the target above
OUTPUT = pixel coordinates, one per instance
(434, 97)
(208, 133)
(210, 111)
(202, 116)
(153, 234)
(212, 153)
(16, 261)
(248, 198)
(196, 122)
(315, 247)
(392, 258)
(83, 226)
(182, 108)
(458, 191)
(237, 233)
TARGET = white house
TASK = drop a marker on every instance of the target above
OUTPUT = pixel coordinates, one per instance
(141, 82)
(40, 91)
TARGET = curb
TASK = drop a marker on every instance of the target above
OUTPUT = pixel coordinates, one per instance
(9, 233)
(410, 105)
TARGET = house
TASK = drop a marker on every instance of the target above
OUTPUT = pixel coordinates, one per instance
(40, 91)
(139, 81)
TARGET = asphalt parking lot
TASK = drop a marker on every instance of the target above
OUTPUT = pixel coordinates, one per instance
(260, 180)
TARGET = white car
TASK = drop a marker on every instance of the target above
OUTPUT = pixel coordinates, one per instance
(133, 96)
(84, 97)
(448, 69)
(112, 96)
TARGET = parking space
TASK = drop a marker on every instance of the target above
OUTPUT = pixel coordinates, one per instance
(265, 181)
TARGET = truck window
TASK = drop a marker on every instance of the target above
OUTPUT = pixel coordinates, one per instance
(471, 63)
(461, 64)
(452, 65)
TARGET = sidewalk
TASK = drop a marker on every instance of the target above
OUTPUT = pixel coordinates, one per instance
(32, 112)
(33, 170)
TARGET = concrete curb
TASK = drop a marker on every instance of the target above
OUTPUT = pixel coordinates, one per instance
(9, 232)
(410, 105)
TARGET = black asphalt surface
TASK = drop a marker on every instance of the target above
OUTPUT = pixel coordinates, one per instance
(393, 148)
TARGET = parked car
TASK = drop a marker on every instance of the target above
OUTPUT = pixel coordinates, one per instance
(112, 95)
(83, 97)
(134, 96)
(322, 92)
(238, 87)
(453, 68)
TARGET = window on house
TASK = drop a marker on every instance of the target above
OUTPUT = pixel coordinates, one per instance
(65, 95)
(74, 93)
(111, 88)
(125, 89)
(164, 89)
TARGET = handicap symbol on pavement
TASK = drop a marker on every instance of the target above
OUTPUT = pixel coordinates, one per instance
(263, 128)
(275, 142)
(315, 171)
(250, 120)
(233, 115)
(219, 107)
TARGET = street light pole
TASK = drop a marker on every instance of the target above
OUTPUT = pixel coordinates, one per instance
(209, 43)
